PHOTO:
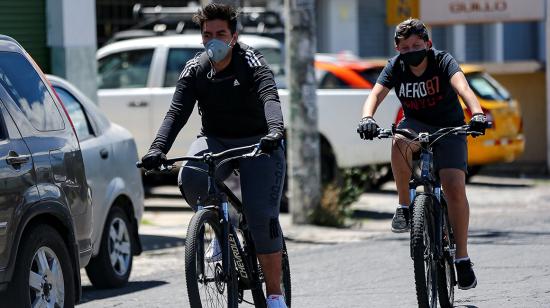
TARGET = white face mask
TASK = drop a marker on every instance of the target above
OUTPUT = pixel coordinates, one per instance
(217, 49)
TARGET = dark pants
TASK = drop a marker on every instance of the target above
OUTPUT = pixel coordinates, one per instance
(261, 187)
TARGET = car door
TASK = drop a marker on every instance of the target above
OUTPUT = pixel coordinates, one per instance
(175, 60)
(97, 153)
(17, 181)
(124, 94)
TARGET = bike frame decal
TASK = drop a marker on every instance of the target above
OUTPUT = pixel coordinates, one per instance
(235, 248)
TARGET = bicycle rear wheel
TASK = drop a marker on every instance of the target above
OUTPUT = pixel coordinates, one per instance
(446, 269)
(425, 267)
(207, 285)
(259, 294)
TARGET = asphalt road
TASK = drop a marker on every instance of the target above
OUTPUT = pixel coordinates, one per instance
(366, 265)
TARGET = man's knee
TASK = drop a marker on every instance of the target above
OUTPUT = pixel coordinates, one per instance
(267, 235)
(189, 184)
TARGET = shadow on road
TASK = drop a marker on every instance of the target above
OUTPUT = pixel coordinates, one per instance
(366, 214)
(90, 293)
(500, 185)
(155, 242)
(506, 237)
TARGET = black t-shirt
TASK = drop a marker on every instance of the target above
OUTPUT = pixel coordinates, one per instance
(238, 102)
(428, 98)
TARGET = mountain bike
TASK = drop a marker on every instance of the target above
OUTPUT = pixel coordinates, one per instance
(432, 241)
(223, 282)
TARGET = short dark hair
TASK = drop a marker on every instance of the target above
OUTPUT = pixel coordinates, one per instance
(409, 27)
(217, 11)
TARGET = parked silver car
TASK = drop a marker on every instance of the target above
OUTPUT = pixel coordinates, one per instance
(109, 152)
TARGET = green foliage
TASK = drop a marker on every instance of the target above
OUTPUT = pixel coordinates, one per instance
(338, 195)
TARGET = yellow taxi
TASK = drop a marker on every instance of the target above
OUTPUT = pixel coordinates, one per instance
(504, 141)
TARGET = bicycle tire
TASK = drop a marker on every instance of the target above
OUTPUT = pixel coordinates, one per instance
(425, 275)
(446, 270)
(194, 257)
(258, 295)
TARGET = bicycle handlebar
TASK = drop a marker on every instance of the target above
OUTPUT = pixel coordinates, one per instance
(458, 130)
(254, 147)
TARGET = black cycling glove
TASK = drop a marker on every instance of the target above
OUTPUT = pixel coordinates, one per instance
(478, 123)
(153, 159)
(367, 128)
(270, 142)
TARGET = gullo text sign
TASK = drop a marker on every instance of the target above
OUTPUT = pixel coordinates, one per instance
(480, 11)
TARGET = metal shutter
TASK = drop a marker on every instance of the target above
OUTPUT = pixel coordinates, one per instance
(375, 37)
(474, 43)
(25, 21)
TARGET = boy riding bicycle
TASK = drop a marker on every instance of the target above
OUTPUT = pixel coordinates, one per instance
(427, 82)
(239, 105)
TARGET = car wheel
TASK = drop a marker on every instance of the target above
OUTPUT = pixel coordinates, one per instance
(112, 266)
(43, 275)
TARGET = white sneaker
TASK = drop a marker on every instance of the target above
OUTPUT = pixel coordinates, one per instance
(276, 301)
(214, 251)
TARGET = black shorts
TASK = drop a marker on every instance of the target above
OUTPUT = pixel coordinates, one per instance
(450, 151)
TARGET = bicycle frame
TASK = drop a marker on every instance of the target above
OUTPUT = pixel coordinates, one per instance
(218, 198)
(432, 187)
(246, 266)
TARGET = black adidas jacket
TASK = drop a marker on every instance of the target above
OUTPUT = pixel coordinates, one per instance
(240, 101)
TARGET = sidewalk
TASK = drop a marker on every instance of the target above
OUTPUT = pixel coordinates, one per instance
(167, 215)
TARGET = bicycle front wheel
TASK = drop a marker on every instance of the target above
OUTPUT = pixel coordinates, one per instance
(207, 285)
(425, 267)
(446, 269)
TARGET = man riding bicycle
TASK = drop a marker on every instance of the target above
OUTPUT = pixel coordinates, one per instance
(239, 105)
(427, 82)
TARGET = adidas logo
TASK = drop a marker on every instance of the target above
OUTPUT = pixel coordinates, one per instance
(236, 83)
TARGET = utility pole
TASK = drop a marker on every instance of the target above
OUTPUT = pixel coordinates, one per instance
(304, 172)
(547, 65)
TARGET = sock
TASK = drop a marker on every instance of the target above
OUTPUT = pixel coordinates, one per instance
(402, 206)
(462, 259)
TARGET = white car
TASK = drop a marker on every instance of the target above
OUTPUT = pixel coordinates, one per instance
(109, 152)
(137, 80)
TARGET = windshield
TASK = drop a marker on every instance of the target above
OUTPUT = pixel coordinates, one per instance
(371, 75)
(486, 87)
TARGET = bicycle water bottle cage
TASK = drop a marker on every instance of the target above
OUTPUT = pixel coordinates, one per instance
(424, 137)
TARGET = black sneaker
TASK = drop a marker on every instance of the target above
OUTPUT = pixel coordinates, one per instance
(400, 220)
(465, 275)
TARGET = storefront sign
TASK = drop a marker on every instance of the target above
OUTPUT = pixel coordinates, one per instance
(435, 12)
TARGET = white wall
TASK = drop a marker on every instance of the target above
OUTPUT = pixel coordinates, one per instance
(72, 37)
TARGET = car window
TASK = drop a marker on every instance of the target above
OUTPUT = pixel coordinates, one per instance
(331, 81)
(127, 69)
(274, 59)
(27, 90)
(486, 87)
(371, 75)
(177, 57)
(76, 112)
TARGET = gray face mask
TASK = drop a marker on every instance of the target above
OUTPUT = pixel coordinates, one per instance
(217, 49)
